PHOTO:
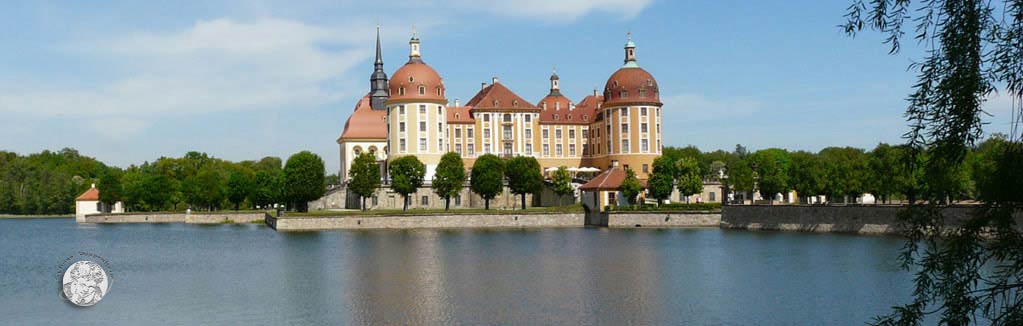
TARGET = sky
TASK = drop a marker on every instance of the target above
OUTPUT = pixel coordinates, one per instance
(130, 81)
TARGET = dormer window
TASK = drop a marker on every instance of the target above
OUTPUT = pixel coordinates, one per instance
(439, 92)
(410, 79)
(569, 117)
(515, 103)
(649, 83)
(496, 102)
(401, 91)
(586, 118)
(642, 92)
(456, 115)
(615, 83)
(422, 90)
(624, 94)
(555, 117)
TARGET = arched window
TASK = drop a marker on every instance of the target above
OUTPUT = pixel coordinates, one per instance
(515, 103)
(439, 92)
(373, 150)
(357, 150)
(422, 90)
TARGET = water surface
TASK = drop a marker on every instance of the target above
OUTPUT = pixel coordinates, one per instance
(232, 274)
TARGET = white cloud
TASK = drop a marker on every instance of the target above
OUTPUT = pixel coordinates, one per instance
(568, 10)
(696, 107)
(217, 65)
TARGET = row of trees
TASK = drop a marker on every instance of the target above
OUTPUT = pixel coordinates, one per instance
(47, 182)
(488, 177)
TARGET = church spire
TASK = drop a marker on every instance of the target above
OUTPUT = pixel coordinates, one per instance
(378, 80)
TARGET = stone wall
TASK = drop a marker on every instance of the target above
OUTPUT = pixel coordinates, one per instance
(387, 199)
(664, 219)
(867, 219)
(175, 218)
(426, 221)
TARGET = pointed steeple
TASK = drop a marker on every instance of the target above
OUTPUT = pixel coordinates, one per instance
(630, 53)
(378, 80)
(555, 89)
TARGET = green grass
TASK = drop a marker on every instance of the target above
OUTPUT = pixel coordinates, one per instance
(679, 207)
(453, 211)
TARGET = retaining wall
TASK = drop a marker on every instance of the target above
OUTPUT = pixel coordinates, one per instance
(355, 222)
(174, 218)
(867, 219)
(664, 219)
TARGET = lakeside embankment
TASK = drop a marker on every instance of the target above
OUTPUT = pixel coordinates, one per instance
(859, 219)
(35, 216)
(165, 217)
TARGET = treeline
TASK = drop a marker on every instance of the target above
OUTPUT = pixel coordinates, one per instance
(47, 182)
(887, 172)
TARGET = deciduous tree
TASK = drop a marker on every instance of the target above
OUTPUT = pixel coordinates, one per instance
(449, 180)
(524, 177)
(303, 179)
(406, 175)
(364, 177)
(487, 177)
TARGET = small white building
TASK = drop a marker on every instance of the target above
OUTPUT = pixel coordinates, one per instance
(88, 203)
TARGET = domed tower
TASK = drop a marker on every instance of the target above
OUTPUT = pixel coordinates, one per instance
(629, 120)
(417, 111)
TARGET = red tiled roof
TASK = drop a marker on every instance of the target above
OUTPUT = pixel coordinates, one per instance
(496, 96)
(410, 77)
(365, 123)
(609, 180)
(89, 195)
(459, 114)
(631, 80)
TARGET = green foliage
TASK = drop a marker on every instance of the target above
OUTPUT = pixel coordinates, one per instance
(630, 186)
(239, 184)
(206, 189)
(846, 170)
(673, 207)
(561, 183)
(740, 174)
(110, 183)
(772, 171)
(406, 174)
(486, 177)
(364, 176)
(303, 179)
(449, 179)
(662, 178)
(807, 175)
(690, 180)
(524, 177)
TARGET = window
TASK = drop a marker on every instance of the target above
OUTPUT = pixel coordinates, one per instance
(586, 149)
(529, 149)
(529, 133)
(608, 130)
(440, 110)
(458, 132)
(422, 111)
(468, 133)
(643, 127)
(625, 112)
(642, 111)
(401, 109)
(624, 94)
(609, 146)
(658, 127)
(586, 133)
(625, 128)
(486, 133)
(571, 134)
(507, 117)
(529, 118)
(507, 133)
(571, 149)
(625, 145)
(586, 117)
(422, 90)
(507, 148)
(357, 150)
(712, 196)
(458, 201)
(440, 144)
(557, 133)
(486, 148)
(546, 150)
(458, 149)
(557, 149)
(401, 127)
(439, 92)
(401, 145)
(545, 134)
(646, 168)
(422, 126)
(425, 200)
(411, 79)
(569, 116)
(440, 126)
(401, 91)
(422, 145)
(470, 149)
(555, 117)
(486, 118)
(644, 145)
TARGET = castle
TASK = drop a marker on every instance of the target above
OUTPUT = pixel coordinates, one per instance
(409, 114)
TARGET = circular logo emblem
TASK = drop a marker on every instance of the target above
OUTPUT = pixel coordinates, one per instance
(85, 283)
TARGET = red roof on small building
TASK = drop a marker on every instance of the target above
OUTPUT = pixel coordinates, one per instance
(498, 97)
(89, 195)
(609, 180)
(459, 114)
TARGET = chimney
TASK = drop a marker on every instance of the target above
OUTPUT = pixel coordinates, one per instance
(493, 80)
(594, 92)
(483, 85)
(456, 102)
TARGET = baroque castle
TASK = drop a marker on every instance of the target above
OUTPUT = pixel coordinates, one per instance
(409, 114)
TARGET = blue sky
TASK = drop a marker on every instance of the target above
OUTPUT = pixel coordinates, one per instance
(128, 82)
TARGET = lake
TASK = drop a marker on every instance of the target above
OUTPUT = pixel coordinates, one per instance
(233, 274)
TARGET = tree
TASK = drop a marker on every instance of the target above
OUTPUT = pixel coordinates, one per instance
(524, 177)
(970, 273)
(740, 175)
(205, 189)
(110, 188)
(772, 171)
(806, 175)
(263, 192)
(486, 177)
(561, 183)
(662, 178)
(630, 186)
(406, 174)
(846, 170)
(303, 179)
(449, 179)
(364, 177)
(690, 180)
(238, 185)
